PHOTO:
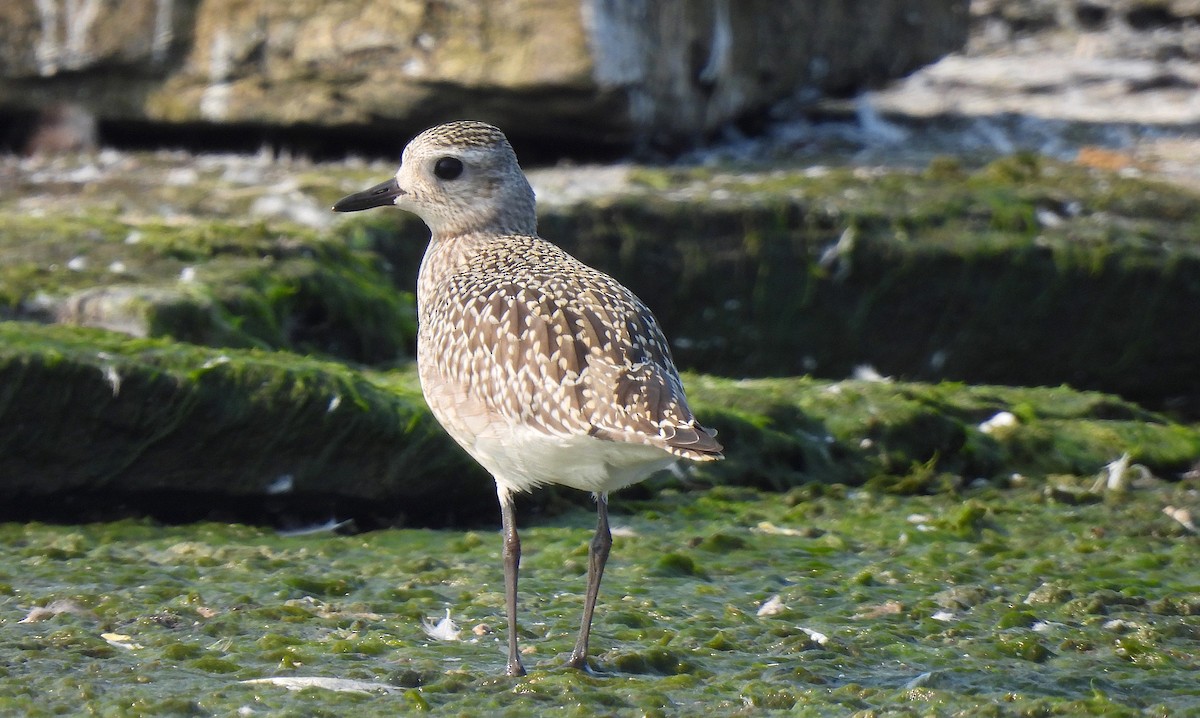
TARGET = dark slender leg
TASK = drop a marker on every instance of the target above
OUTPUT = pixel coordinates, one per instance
(512, 560)
(597, 557)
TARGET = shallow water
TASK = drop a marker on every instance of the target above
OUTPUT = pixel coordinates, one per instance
(1020, 601)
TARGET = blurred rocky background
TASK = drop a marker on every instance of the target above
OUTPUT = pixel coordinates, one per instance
(592, 72)
(926, 206)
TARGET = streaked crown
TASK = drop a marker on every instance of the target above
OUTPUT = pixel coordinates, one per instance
(464, 134)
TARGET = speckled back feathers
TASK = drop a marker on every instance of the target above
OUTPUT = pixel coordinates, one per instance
(541, 338)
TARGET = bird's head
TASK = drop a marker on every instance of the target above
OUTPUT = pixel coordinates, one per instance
(460, 177)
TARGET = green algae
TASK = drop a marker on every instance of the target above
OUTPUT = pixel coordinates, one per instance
(209, 282)
(98, 413)
(907, 437)
(884, 605)
(93, 413)
(1025, 271)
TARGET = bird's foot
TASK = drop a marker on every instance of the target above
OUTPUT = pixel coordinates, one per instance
(581, 663)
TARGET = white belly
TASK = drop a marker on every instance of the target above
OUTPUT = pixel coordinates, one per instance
(522, 458)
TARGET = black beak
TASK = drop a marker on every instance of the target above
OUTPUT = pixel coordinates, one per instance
(379, 195)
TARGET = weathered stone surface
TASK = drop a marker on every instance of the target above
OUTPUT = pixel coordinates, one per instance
(1085, 15)
(48, 38)
(628, 71)
(1112, 69)
(119, 308)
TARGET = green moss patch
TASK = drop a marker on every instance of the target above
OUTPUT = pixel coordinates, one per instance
(92, 412)
(1025, 271)
(211, 282)
(920, 438)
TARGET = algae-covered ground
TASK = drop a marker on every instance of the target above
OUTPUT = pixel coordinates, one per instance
(820, 601)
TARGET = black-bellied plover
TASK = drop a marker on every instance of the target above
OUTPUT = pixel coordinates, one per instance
(545, 370)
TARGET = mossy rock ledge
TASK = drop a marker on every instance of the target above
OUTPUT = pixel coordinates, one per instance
(1025, 272)
(91, 416)
(214, 282)
(92, 420)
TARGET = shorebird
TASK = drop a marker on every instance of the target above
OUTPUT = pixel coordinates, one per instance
(545, 370)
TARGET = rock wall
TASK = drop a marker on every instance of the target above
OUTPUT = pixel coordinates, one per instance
(609, 71)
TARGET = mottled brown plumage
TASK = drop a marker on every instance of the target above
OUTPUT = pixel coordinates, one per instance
(540, 339)
(545, 370)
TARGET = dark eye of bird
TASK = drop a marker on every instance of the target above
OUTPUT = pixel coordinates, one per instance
(448, 168)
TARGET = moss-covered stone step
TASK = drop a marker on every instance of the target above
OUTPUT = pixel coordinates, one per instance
(89, 416)
(911, 437)
(95, 413)
(1024, 271)
(214, 282)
